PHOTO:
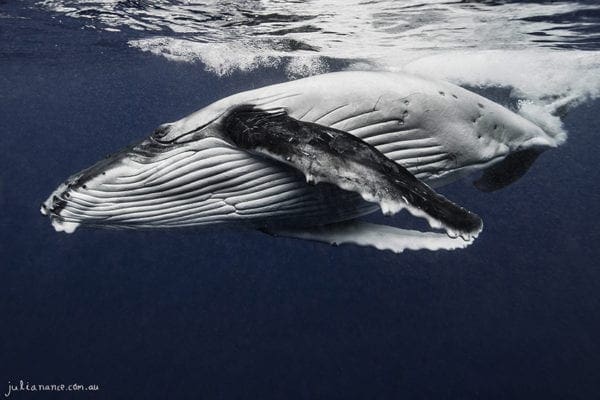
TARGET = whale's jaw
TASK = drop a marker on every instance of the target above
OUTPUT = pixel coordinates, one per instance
(97, 195)
(81, 198)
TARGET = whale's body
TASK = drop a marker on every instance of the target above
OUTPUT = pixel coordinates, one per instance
(189, 173)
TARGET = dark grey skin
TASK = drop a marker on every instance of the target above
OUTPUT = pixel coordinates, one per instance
(507, 171)
(333, 156)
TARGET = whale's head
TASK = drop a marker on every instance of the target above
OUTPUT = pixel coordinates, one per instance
(130, 188)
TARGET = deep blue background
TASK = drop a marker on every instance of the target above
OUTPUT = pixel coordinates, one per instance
(223, 314)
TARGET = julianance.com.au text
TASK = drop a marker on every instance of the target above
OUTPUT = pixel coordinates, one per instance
(25, 386)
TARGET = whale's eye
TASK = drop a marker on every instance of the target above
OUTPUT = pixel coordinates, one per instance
(160, 132)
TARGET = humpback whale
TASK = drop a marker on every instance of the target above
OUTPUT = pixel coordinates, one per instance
(307, 158)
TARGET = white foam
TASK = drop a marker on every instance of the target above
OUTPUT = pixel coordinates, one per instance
(219, 58)
(552, 77)
(514, 45)
(305, 66)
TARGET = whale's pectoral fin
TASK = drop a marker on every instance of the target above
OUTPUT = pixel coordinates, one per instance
(381, 237)
(507, 171)
(329, 155)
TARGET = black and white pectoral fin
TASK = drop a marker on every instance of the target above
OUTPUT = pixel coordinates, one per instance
(333, 156)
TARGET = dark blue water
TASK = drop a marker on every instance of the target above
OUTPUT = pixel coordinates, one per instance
(223, 314)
